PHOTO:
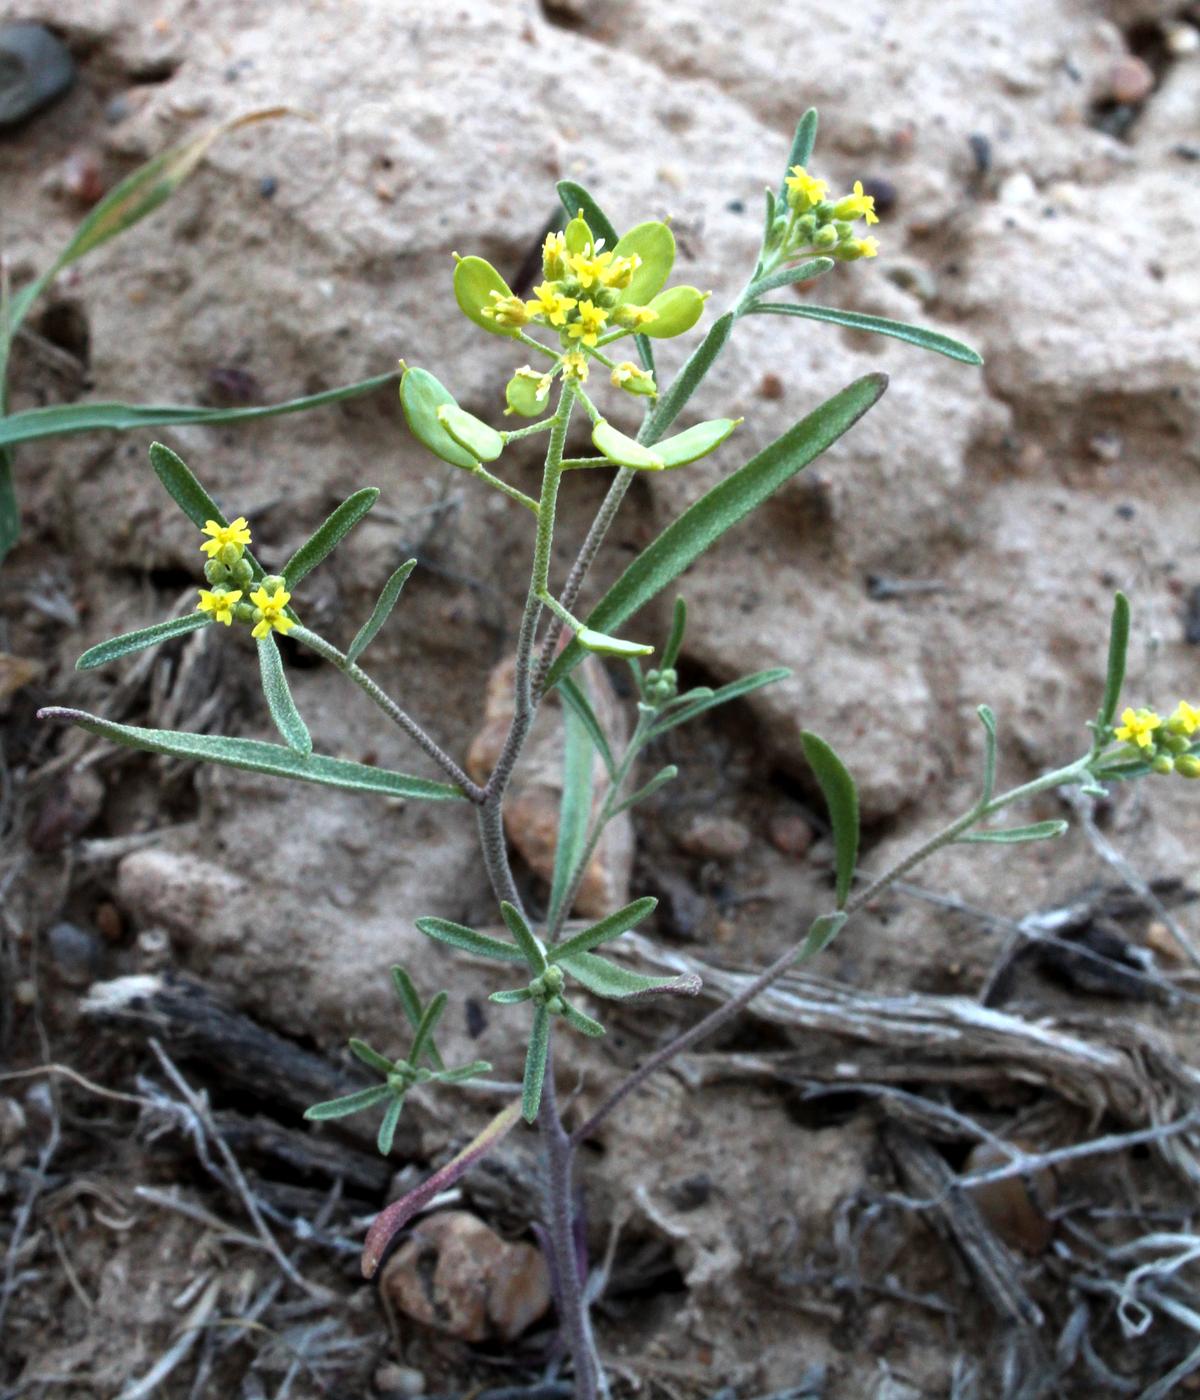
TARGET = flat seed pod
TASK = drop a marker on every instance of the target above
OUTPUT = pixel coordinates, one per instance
(679, 308)
(654, 243)
(624, 451)
(578, 235)
(475, 279)
(694, 443)
(522, 396)
(421, 395)
(480, 439)
(604, 645)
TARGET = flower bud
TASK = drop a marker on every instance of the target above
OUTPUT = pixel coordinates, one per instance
(633, 379)
(242, 574)
(825, 237)
(215, 571)
(1163, 764)
(273, 583)
(229, 554)
(1187, 765)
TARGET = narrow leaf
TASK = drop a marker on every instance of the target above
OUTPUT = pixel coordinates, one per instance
(371, 1058)
(1118, 646)
(821, 934)
(660, 780)
(733, 691)
(388, 1223)
(988, 720)
(675, 640)
(802, 148)
(464, 1072)
(841, 797)
(10, 514)
(574, 198)
(685, 383)
(60, 420)
(535, 1065)
(608, 928)
(574, 697)
(574, 810)
(129, 642)
(880, 325)
(1015, 835)
(279, 698)
(423, 1040)
(460, 936)
(730, 501)
(326, 538)
(531, 948)
(607, 979)
(512, 997)
(387, 1129)
(581, 1023)
(410, 1000)
(786, 276)
(349, 1103)
(379, 614)
(187, 493)
(259, 757)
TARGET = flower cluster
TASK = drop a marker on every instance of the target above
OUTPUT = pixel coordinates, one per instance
(231, 573)
(1166, 744)
(816, 224)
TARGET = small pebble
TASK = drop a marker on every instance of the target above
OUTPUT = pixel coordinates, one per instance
(1010, 1209)
(716, 838)
(395, 1381)
(35, 69)
(1131, 80)
(770, 387)
(790, 833)
(75, 951)
(1182, 39)
(1106, 446)
(268, 186)
(109, 924)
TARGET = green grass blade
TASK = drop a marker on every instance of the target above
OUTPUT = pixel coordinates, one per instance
(608, 928)
(464, 1072)
(381, 611)
(535, 1065)
(660, 780)
(62, 419)
(880, 325)
(328, 535)
(787, 276)
(348, 1103)
(685, 383)
(574, 810)
(279, 698)
(579, 702)
(841, 797)
(460, 936)
(531, 948)
(802, 148)
(128, 642)
(733, 691)
(256, 756)
(703, 523)
(1118, 646)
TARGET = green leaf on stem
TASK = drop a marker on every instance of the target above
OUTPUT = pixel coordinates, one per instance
(328, 535)
(410, 1000)
(381, 611)
(880, 325)
(841, 797)
(730, 501)
(675, 639)
(460, 936)
(988, 720)
(1015, 835)
(511, 997)
(535, 1065)
(690, 708)
(347, 1104)
(660, 780)
(606, 979)
(575, 198)
(576, 700)
(603, 645)
(387, 1129)
(613, 926)
(787, 276)
(371, 1058)
(128, 642)
(574, 810)
(189, 495)
(10, 514)
(802, 148)
(581, 1023)
(279, 698)
(530, 946)
(464, 1072)
(258, 757)
(60, 420)
(423, 1039)
(685, 383)
(1118, 646)
(821, 934)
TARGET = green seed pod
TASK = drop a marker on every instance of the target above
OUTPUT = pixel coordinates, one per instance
(242, 575)
(578, 235)
(420, 397)
(623, 450)
(678, 308)
(216, 572)
(527, 393)
(826, 237)
(696, 442)
(475, 279)
(605, 645)
(480, 439)
(1187, 765)
(654, 243)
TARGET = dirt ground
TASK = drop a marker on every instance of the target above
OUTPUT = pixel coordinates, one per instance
(781, 1208)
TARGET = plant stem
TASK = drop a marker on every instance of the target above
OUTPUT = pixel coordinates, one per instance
(371, 688)
(1072, 773)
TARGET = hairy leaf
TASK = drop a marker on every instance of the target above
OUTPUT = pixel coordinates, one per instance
(733, 691)
(880, 325)
(328, 535)
(841, 797)
(347, 1104)
(574, 810)
(802, 148)
(279, 698)
(535, 1065)
(381, 611)
(574, 697)
(1118, 646)
(1015, 835)
(530, 946)
(613, 926)
(128, 642)
(606, 979)
(470, 941)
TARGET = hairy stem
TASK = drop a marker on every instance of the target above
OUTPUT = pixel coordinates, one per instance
(371, 688)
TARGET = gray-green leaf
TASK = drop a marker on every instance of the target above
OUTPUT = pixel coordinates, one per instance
(606, 979)
(821, 934)
(387, 1129)
(841, 797)
(382, 609)
(574, 810)
(531, 948)
(574, 697)
(786, 276)
(347, 1104)
(733, 691)
(460, 936)
(879, 325)
(535, 1065)
(802, 148)
(128, 642)
(608, 928)
(279, 698)
(1118, 646)
(1015, 835)
(327, 536)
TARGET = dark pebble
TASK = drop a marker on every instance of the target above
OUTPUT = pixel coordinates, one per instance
(75, 951)
(116, 109)
(476, 1019)
(736, 206)
(267, 186)
(981, 150)
(691, 1193)
(1191, 622)
(35, 69)
(1126, 512)
(883, 192)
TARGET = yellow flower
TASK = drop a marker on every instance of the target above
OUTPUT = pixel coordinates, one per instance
(1137, 727)
(237, 535)
(630, 315)
(590, 266)
(219, 604)
(854, 248)
(270, 611)
(620, 273)
(506, 310)
(575, 366)
(1185, 720)
(855, 205)
(554, 254)
(632, 377)
(550, 303)
(804, 191)
(590, 324)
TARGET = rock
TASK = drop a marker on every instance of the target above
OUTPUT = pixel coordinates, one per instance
(531, 812)
(35, 69)
(790, 833)
(1017, 1215)
(1131, 80)
(393, 1382)
(75, 951)
(716, 838)
(458, 1276)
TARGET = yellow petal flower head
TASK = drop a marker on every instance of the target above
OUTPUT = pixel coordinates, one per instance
(855, 248)
(856, 205)
(220, 605)
(554, 255)
(803, 190)
(575, 366)
(1137, 727)
(633, 379)
(1185, 720)
(235, 537)
(506, 310)
(550, 303)
(591, 265)
(619, 273)
(269, 611)
(591, 322)
(635, 316)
